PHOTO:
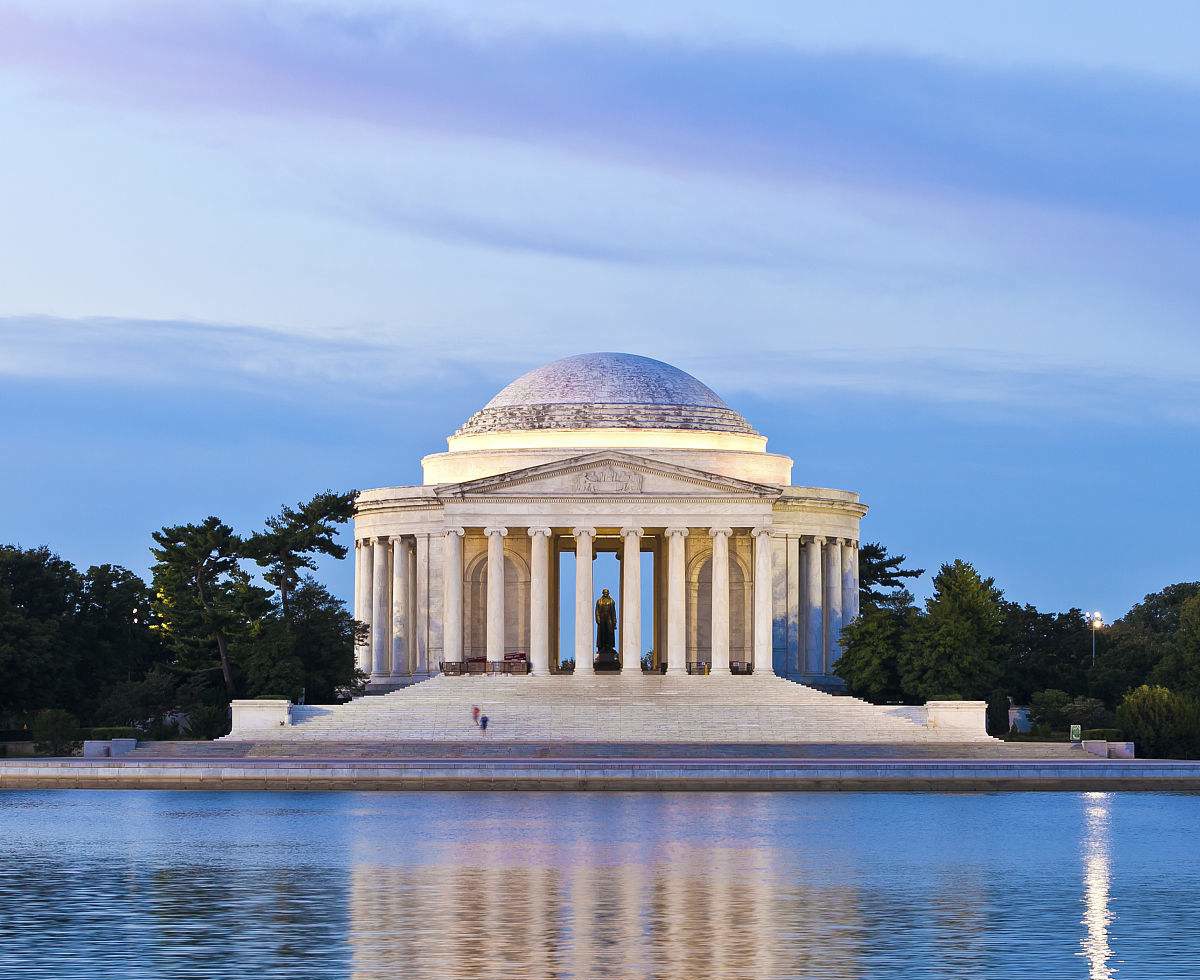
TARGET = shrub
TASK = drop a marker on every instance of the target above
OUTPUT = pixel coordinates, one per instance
(113, 732)
(1106, 734)
(1047, 709)
(207, 721)
(1088, 712)
(55, 732)
(997, 714)
(1163, 724)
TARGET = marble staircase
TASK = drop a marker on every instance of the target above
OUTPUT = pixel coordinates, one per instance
(615, 708)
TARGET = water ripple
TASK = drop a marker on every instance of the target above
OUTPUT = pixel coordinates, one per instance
(172, 885)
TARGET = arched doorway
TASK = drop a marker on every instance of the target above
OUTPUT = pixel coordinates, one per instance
(699, 610)
(516, 606)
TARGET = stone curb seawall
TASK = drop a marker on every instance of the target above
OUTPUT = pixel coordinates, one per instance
(648, 775)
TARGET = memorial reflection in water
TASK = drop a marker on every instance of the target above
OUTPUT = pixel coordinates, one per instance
(526, 885)
(593, 910)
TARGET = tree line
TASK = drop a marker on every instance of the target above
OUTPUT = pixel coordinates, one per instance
(227, 615)
(967, 641)
(223, 616)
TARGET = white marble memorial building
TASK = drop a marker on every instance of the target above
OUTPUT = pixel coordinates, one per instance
(606, 452)
(749, 580)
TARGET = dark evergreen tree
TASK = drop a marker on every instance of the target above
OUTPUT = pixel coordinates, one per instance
(203, 598)
(953, 650)
(40, 595)
(1044, 650)
(871, 646)
(292, 540)
(882, 578)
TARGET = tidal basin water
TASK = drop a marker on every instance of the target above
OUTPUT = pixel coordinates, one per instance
(314, 885)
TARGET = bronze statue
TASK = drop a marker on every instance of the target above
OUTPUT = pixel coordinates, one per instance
(606, 631)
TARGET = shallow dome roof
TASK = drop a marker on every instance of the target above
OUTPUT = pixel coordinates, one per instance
(606, 391)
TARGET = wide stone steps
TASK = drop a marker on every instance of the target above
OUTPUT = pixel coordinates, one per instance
(613, 709)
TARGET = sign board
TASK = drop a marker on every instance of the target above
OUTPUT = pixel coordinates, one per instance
(1076, 733)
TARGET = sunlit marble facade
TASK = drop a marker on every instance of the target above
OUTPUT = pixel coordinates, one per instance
(606, 452)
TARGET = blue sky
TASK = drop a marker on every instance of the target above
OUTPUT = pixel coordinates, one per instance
(944, 254)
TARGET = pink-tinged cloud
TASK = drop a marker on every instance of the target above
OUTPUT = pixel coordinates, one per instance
(1103, 141)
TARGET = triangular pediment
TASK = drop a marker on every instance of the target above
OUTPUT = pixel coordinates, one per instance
(608, 474)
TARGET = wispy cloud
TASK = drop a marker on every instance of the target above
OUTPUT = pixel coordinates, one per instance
(1113, 142)
(216, 357)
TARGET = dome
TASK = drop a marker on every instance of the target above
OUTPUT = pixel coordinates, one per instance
(606, 391)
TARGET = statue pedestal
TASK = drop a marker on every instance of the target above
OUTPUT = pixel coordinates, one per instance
(607, 661)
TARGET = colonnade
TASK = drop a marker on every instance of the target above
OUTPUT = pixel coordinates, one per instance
(415, 608)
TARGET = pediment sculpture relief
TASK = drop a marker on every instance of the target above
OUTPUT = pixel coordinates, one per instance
(610, 479)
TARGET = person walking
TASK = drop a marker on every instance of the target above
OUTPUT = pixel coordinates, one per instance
(483, 723)
(475, 715)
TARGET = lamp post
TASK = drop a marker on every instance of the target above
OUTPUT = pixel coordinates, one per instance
(1095, 621)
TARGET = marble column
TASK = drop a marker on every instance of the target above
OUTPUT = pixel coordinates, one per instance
(584, 633)
(631, 601)
(850, 582)
(833, 602)
(380, 612)
(452, 595)
(495, 593)
(676, 602)
(539, 602)
(362, 601)
(764, 581)
(720, 599)
(814, 611)
(420, 617)
(401, 609)
(795, 641)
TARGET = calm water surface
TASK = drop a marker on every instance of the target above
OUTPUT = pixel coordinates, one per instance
(163, 885)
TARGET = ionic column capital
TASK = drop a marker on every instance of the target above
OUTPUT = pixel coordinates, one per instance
(758, 532)
(583, 532)
(636, 531)
(714, 532)
(533, 532)
(502, 531)
(681, 532)
(460, 531)
(817, 539)
(381, 539)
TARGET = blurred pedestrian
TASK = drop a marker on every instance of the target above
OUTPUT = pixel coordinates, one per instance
(475, 715)
(483, 723)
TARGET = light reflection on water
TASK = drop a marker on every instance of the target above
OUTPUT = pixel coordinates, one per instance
(165, 885)
(1097, 915)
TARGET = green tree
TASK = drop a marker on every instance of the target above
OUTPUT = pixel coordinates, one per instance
(953, 650)
(871, 649)
(1159, 613)
(1161, 723)
(1044, 650)
(39, 651)
(114, 631)
(55, 732)
(291, 541)
(1179, 668)
(879, 571)
(1048, 709)
(203, 598)
(1129, 652)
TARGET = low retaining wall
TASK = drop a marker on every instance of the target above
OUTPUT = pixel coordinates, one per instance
(256, 717)
(652, 775)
